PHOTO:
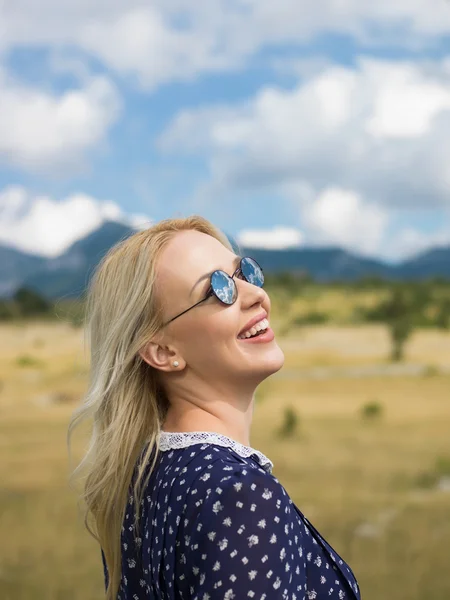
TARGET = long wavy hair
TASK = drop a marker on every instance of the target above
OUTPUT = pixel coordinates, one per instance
(124, 398)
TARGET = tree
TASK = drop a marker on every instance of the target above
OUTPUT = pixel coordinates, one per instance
(398, 314)
(443, 314)
(30, 302)
(400, 330)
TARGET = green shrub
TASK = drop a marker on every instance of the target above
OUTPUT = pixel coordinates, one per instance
(426, 480)
(442, 465)
(429, 479)
(311, 318)
(6, 311)
(372, 410)
(431, 371)
(442, 319)
(31, 303)
(290, 423)
(28, 361)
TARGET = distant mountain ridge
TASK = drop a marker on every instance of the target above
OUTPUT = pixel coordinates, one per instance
(68, 274)
(323, 264)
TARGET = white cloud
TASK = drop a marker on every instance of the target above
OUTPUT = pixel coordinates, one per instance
(142, 43)
(343, 128)
(178, 39)
(366, 20)
(406, 103)
(341, 217)
(44, 131)
(47, 227)
(275, 238)
(304, 67)
(408, 242)
(62, 63)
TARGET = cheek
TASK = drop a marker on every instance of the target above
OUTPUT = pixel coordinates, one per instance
(223, 326)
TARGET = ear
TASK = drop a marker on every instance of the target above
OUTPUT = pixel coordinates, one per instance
(158, 356)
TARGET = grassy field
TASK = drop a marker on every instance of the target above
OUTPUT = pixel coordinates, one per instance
(377, 487)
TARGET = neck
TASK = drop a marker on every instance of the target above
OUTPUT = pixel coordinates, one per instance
(185, 415)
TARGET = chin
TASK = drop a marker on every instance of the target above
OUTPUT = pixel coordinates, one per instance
(278, 361)
(263, 358)
(271, 362)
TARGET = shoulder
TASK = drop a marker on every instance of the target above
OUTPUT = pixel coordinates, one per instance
(232, 486)
(222, 470)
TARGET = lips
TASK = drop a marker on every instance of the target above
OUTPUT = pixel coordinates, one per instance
(253, 321)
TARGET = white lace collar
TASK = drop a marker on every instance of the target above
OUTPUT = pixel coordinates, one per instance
(170, 440)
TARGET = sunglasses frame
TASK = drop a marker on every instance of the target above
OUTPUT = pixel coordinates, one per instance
(211, 292)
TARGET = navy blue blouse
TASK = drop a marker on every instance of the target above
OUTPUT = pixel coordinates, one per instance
(216, 524)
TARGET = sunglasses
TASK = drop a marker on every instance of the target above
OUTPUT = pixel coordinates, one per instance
(224, 287)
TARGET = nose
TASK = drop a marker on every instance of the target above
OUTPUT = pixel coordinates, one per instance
(250, 294)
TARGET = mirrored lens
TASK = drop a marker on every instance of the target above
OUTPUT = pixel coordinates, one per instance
(252, 271)
(223, 286)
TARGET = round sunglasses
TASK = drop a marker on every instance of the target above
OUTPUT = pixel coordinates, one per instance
(224, 287)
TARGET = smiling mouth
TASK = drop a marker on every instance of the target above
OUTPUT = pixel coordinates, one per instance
(264, 323)
(258, 333)
(266, 335)
(248, 337)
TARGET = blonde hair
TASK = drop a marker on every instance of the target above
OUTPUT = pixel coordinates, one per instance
(124, 397)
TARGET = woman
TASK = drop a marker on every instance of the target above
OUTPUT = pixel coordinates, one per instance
(183, 506)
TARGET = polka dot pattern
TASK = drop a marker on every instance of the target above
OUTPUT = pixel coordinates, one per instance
(216, 524)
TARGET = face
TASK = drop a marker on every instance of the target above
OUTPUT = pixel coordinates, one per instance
(204, 340)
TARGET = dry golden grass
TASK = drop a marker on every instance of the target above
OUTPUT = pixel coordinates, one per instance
(371, 486)
(308, 346)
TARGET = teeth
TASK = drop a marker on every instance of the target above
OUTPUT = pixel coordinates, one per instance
(262, 325)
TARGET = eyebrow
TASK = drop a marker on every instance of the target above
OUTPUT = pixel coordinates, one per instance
(237, 260)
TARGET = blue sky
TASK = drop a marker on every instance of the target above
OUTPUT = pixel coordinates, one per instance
(284, 123)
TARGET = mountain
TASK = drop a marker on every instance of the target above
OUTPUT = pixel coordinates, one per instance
(324, 264)
(15, 267)
(66, 276)
(435, 262)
